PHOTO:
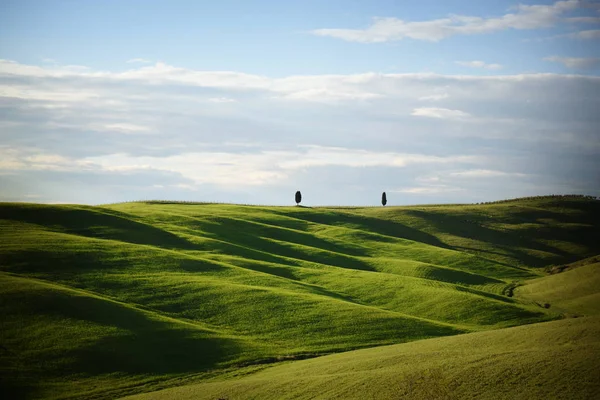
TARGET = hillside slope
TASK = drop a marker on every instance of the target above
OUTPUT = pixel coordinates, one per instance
(575, 291)
(258, 284)
(50, 331)
(553, 360)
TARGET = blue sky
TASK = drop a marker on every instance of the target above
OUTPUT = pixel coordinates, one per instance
(239, 101)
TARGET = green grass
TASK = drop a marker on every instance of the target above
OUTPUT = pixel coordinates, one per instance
(50, 331)
(100, 302)
(574, 291)
(553, 360)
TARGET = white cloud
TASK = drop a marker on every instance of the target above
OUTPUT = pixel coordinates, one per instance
(92, 100)
(485, 173)
(479, 64)
(318, 156)
(138, 61)
(443, 113)
(428, 179)
(584, 20)
(30, 92)
(265, 167)
(439, 93)
(12, 159)
(163, 73)
(575, 62)
(434, 97)
(430, 189)
(222, 100)
(156, 125)
(123, 127)
(582, 35)
(324, 95)
(91, 85)
(589, 34)
(393, 29)
(449, 182)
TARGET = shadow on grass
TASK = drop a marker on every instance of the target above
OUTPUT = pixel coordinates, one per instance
(271, 269)
(16, 387)
(56, 336)
(272, 242)
(144, 343)
(456, 276)
(287, 235)
(367, 224)
(153, 351)
(92, 223)
(76, 260)
(222, 246)
(471, 227)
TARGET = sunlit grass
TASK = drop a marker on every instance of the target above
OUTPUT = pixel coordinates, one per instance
(574, 291)
(105, 301)
(541, 361)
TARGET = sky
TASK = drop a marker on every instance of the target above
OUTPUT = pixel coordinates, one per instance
(451, 101)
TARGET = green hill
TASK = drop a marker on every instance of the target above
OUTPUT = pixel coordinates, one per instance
(552, 360)
(576, 290)
(100, 302)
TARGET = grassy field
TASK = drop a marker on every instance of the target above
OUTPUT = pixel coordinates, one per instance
(102, 302)
(551, 360)
(576, 290)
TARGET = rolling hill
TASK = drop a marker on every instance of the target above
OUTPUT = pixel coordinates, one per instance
(574, 290)
(101, 302)
(551, 360)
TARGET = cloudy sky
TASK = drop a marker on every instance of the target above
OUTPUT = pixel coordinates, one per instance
(249, 101)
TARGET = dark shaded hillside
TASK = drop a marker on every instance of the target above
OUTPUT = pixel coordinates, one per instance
(533, 233)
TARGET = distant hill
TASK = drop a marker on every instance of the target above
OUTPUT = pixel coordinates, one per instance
(101, 302)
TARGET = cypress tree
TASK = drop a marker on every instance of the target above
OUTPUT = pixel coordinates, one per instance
(383, 199)
(298, 197)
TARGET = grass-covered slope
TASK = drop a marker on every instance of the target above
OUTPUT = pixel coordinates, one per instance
(105, 301)
(552, 360)
(51, 332)
(576, 290)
